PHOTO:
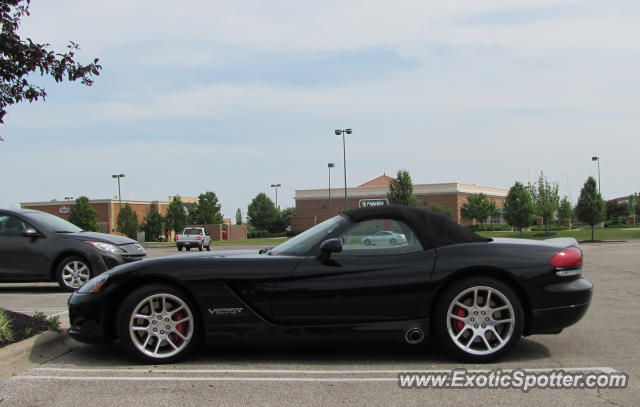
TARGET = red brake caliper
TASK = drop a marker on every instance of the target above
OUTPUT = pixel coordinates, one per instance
(459, 324)
(180, 327)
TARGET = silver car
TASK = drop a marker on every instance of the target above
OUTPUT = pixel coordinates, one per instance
(384, 237)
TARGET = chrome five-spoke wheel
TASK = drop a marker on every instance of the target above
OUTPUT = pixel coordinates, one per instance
(157, 324)
(479, 319)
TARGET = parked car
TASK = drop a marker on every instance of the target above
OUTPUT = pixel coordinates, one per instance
(37, 247)
(476, 295)
(193, 237)
(384, 237)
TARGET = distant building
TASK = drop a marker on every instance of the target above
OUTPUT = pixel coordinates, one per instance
(108, 209)
(312, 205)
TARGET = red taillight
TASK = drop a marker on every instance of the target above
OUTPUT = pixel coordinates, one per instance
(176, 238)
(199, 238)
(571, 257)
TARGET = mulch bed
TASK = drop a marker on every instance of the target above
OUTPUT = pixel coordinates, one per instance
(20, 323)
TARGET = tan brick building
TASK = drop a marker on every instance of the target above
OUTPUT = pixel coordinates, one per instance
(108, 210)
(312, 205)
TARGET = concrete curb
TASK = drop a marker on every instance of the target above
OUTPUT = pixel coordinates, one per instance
(24, 355)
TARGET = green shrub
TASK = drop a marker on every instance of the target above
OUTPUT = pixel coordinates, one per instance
(550, 227)
(6, 334)
(489, 228)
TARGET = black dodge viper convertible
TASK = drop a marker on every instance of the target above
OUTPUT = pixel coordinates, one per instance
(476, 295)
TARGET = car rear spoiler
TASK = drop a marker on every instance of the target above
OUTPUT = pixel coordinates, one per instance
(561, 242)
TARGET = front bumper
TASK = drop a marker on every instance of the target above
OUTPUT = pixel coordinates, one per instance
(88, 318)
(571, 299)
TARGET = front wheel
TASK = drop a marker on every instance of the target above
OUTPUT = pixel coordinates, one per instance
(72, 272)
(157, 324)
(367, 242)
(479, 319)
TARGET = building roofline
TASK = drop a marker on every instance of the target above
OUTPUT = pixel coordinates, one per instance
(420, 189)
(92, 201)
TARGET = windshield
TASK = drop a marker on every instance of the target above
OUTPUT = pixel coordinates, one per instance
(53, 223)
(302, 243)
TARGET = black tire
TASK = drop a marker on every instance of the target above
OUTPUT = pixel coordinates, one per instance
(187, 248)
(367, 242)
(134, 341)
(200, 247)
(179, 248)
(475, 325)
(72, 272)
(209, 247)
(393, 242)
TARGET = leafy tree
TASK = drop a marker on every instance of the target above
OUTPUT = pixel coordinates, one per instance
(83, 215)
(21, 59)
(128, 221)
(518, 206)
(238, 217)
(617, 211)
(565, 211)
(545, 198)
(590, 208)
(262, 213)
(401, 190)
(176, 218)
(634, 206)
(207, 210)
(152, 225)
(283, 221)
(434, 207)
(479, 207)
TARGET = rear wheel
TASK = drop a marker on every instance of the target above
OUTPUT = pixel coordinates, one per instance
(200, 247)
(72, 272)
(479, 319)
(187, 248)
(209, 247)
(367, 242)
(179, 248)
(157, 324)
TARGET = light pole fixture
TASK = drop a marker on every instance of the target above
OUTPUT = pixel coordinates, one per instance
(330, 165)
(344, 155)
(594, 158)
(276, 186)
(119, 195)
(68, 198)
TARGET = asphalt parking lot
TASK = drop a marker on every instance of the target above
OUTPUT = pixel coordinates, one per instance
(605, 340)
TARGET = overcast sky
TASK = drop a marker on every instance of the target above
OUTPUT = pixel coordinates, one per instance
(235, 96)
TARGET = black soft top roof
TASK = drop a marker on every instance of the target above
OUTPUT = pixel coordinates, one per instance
(432, 229)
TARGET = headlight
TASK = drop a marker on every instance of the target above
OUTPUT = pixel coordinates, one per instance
(94, 285)
(107, 247)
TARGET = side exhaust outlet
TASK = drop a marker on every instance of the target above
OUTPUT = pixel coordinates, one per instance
(414, 336)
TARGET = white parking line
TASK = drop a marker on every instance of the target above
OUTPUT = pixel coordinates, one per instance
(309, 371)
(261, 375)
(210, 379)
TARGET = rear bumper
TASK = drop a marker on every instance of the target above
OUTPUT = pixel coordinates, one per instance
(572, 298)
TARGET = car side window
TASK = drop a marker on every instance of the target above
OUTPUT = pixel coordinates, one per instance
(379, 237)
(10, 226)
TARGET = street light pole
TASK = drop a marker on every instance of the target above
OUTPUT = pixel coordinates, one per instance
(344, 156)
(594, 158)
(330, 165)
(119, 195)
(276, 186)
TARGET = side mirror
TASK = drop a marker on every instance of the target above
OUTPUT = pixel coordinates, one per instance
(331, 246)
(30, 232)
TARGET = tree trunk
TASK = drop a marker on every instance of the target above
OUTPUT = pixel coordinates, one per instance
(592, 231)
